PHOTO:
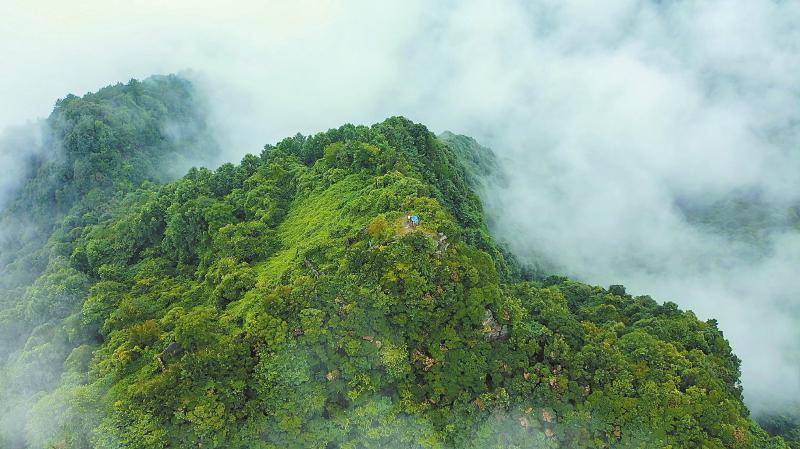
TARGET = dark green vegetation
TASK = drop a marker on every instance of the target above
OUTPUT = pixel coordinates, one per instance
(96, 149)
(786, 424)
(285, 302)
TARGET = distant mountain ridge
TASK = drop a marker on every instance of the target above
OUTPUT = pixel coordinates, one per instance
(93, 151)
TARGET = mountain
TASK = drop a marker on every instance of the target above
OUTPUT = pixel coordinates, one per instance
(92, 152)
(290, 301)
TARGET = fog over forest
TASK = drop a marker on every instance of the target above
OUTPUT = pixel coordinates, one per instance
(628, 132)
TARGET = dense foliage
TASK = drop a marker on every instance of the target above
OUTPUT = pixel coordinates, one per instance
(288, 302)
(95, 150)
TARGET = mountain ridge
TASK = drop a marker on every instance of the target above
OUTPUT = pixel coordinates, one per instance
(287, 302)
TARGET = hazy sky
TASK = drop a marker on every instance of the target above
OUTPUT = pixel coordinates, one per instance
(606, 113)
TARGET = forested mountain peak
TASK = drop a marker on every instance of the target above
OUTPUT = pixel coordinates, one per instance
(290, 301)
(98, 147)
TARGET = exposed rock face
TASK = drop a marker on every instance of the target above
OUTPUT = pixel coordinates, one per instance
(174, 350)
(492, 329)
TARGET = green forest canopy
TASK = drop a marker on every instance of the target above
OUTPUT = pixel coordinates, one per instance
(287, 302)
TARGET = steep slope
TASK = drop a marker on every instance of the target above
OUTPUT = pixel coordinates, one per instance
(288, 302)
(95, 150)
(757, 230)
(480, 163)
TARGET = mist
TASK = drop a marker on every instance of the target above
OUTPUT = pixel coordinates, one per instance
(608, 120)
(19, 146)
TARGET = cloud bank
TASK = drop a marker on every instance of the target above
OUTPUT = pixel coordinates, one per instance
(608, 117)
